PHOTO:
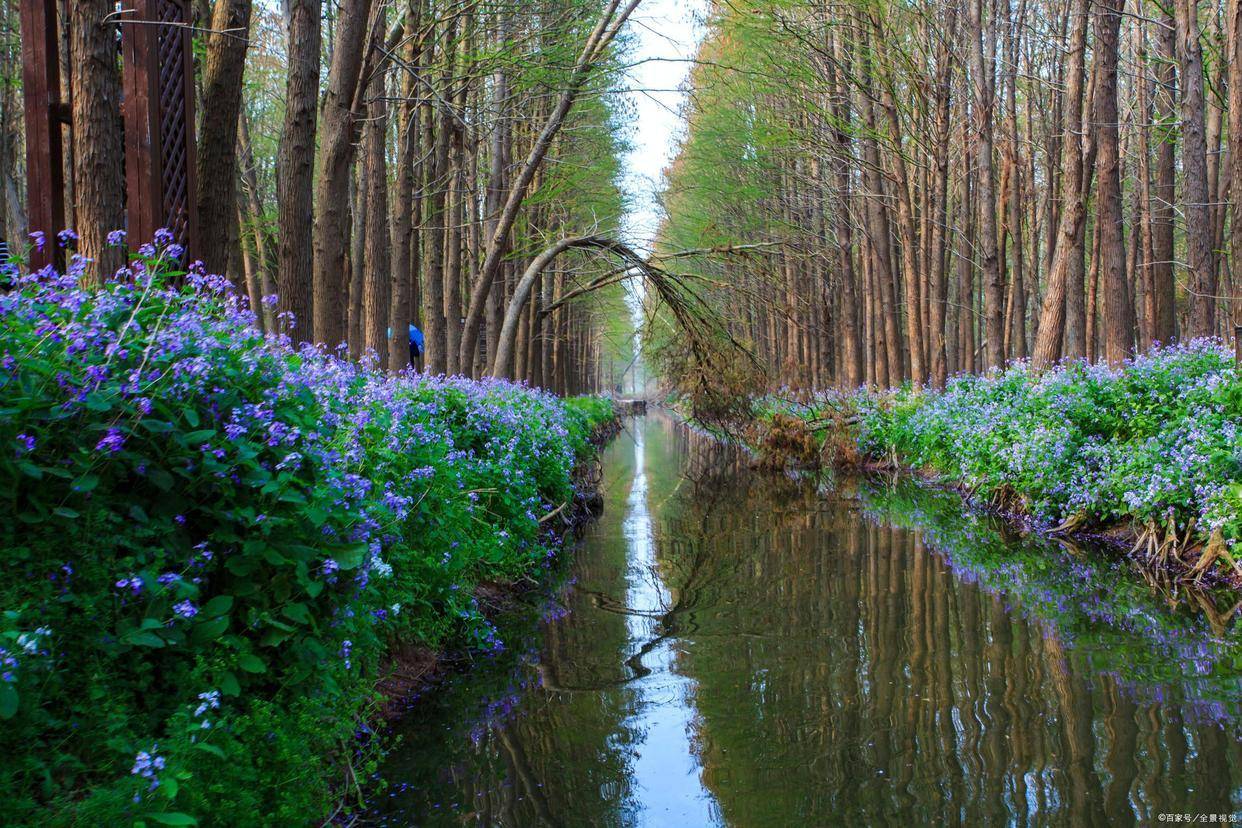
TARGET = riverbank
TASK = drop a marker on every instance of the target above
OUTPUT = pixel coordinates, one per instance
(412, 669)
(1146, 456)
(214, 540)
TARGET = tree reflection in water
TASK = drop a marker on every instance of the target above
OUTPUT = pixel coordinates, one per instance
(778, 655)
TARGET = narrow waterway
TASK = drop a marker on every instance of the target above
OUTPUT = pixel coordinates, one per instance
(732, 649)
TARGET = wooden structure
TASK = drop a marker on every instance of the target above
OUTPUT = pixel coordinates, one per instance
(158, 78)
(47, 117)
(158, 109)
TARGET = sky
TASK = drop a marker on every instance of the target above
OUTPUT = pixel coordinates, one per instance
(667, 35)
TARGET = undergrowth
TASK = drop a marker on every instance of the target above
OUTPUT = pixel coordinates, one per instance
(211, 538)
(1155, 443)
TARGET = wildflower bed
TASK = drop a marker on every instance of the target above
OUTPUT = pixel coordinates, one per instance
(1154, 443)
(211, 539)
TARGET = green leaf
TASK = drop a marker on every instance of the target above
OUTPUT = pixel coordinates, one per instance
(140, 638)
(65, 512)
(274, 638)
(229, 685)
(160, 478)
(351, 557)
(191, 417)
(211, 630)
(218, 605)
(274, 557)
(298, 612)
(172, 819)
(240, 565)
(96, 402)
(212, 749)
(251, 663)
(8, 700)
(193, 438)
(30, 469)
(169, 786)
(86, 483)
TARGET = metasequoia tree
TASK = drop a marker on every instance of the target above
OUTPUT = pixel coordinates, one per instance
(1045, 177)
(294, 163)
(221, 111)
(596, 47)
(927, 187)
(98, 175)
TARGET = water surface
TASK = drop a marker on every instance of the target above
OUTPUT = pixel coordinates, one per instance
(734, 649)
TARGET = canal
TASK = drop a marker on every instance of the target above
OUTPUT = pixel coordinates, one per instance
(732, 648)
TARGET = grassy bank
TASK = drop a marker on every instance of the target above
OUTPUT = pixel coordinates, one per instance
(1151, 450)
(212, 539)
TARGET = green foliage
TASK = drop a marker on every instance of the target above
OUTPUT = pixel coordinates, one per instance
(211, 539)
(1158, 437)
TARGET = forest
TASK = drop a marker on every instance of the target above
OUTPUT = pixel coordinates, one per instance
(578, 412)
(956, 186)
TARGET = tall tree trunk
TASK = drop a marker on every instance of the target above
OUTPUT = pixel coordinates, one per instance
(908, 234)
(377, 275)
(404, 271)
(1164, 192)
(217, 146)
(434, 331)
(1069, 239)
(984, 98)
(1118, 316)
(879, 236)
(294, 167)
(1234, 59)
(98, 138)
(851, 348)
(1201, 277)
(333, 162)
(252, 220)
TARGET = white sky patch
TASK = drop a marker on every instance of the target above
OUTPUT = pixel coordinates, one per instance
(667, 35)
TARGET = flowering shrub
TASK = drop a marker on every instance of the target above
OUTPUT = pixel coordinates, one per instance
(1158, 436)
(211, 536)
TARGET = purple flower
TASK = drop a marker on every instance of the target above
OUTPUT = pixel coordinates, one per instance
(207, 701)
(39, 239)
(116, 238)
(132, 583)
(25, 444)
(66, 237)
(147, 765)
(185, 609)
(113, 441)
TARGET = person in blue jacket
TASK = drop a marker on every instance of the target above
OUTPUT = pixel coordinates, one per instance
(416, 343)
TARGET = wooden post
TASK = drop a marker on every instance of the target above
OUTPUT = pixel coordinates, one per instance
(158, 77)
(1237, 344)
(45, 115)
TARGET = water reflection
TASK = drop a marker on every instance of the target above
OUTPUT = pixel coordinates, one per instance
(747, 651)
(665, 767)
